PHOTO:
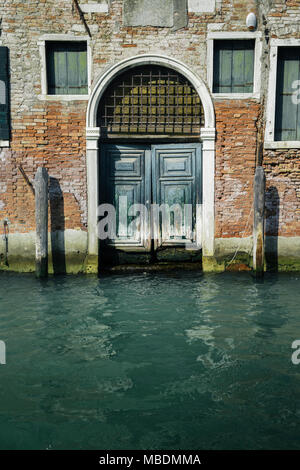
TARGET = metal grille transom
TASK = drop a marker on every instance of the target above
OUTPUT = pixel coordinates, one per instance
(150, 100)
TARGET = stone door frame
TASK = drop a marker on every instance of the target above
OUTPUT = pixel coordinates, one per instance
(207, 137)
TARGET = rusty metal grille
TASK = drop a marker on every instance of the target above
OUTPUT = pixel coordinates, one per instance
(150, 100)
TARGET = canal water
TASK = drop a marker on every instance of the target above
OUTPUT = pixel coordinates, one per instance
(150, 361)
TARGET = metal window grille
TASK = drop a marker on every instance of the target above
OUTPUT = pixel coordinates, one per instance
(150, 100)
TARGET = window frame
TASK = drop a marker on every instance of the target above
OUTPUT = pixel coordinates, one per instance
(270, 142)
(44, 85)
(218, 35)
(6, 143)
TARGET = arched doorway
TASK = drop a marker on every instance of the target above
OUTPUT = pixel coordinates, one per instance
(147, 119)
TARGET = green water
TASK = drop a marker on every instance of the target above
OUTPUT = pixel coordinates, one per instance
(150, 361)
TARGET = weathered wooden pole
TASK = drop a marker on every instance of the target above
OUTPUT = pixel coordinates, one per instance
(41, 219)
(259, 222)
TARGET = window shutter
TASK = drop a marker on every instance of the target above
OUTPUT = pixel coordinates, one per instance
(223, 71)
(83, 78)
(233, 66)
(67, 68)
(249, 70)
(287, 112)
(60, 72)
(57, 71)
(4, 95)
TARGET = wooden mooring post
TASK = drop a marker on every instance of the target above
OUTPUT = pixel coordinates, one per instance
(41, 219)
(259, 222)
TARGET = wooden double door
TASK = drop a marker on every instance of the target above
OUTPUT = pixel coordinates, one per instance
(155, 191)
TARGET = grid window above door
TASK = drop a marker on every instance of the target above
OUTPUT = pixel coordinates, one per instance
(67, 68)
(233, 66)
(150, 100)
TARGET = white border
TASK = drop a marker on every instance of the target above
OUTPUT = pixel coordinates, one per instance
(270, 143)
(257, 36)
(207, 224)
(42, 48)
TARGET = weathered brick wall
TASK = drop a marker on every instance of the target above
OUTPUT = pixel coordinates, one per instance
(283, 192)
(52, 136)
(282, 166)
(43, 133)
(283, 17)
(235, 166)
(53, 133)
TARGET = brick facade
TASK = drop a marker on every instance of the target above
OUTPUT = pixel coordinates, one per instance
(52, 133)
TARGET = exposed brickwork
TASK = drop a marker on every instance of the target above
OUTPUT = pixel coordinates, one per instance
(235, 166)
(53, 133)
(283, 192)
(54, 137)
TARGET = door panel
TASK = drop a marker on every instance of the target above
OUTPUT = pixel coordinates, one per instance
(125, 180)
(167, 176)
(173, 227)
(172, 165)
(124, 196)
(176, 181)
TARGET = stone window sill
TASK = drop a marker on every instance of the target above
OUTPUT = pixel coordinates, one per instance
(63, 97)
(286, 144)
(4, 143)
(235, 96)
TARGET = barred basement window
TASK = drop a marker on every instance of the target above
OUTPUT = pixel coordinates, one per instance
(150, 100)
(67, 68)
(233, 66)
(287, 122)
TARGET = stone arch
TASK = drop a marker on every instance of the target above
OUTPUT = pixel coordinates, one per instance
(207, 136)
(105, 79)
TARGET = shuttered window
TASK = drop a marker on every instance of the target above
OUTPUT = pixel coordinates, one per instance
(233, 66)
(67, 68)
(4, 88)
(287, 121)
